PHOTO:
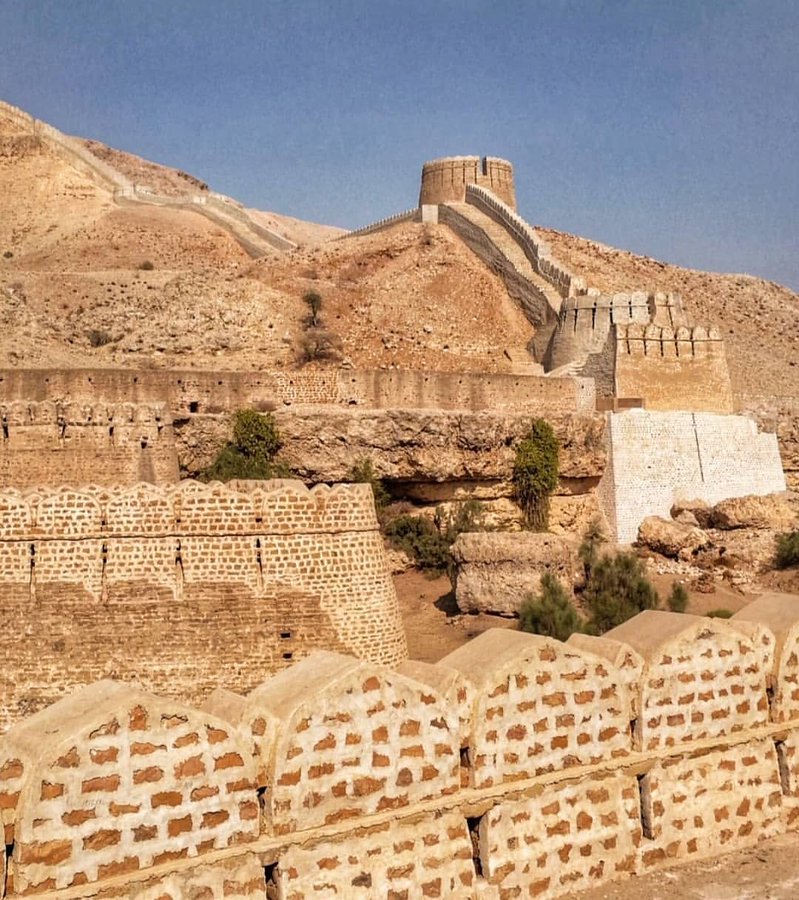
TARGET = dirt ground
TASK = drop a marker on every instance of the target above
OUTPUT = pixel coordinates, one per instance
(768, 871)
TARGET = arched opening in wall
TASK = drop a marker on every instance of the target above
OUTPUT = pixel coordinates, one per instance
(5, 430)
(8, 886)
(194, 406)
(143, 443)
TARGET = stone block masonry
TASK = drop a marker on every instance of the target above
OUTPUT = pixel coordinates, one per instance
(59, 443)
(339, 777)
(260, 576)
(655, 458)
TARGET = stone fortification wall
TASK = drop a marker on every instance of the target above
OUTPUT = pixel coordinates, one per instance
(552, 771)
(409, 215)
(222, 210)
(146, 580)
(446, 180)
(190, 391)
(535, 249)
(532, 300)
(68, 443)
(673, 368)
(655, 458)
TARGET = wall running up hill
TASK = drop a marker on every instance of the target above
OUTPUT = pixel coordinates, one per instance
(146, 580)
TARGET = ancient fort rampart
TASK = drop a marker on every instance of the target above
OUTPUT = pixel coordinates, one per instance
(553, 771)
(445, 180)
(146, 580)
(110, 443)
(189, 391)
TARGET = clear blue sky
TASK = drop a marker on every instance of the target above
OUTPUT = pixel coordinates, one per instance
(668, 127)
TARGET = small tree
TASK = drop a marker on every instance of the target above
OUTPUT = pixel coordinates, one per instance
(551, 613)
(319, 344)
(251, 453)
(313, 299)
(617, 590)
(589, 549)
(535, 473)
(677, 601)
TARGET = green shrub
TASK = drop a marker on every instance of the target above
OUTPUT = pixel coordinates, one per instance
(8, 254)
(421, 540)
(319, 344)
(313, 300)
(146, 266)
(617, 590)
(721, 613)
(551, 613)
(535, 473)
(251, 453)
(787, 550)
(677, 601)
(363, 472)
(589, 548)
(428, 543)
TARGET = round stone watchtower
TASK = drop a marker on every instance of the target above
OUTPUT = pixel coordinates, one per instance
(444, 180)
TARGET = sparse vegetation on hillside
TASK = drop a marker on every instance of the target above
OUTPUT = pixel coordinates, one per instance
(535, 473)
(319, 344)
(550, 613)
(677, 601)
(313, 300)
(252, 451)
(146, 266)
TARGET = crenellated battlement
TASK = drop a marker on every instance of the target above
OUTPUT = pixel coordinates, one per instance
(445, 180)
(340, 776)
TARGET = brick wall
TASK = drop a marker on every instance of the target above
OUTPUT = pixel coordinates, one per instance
(338, 777)
(48, 443)
(673, 368)
(269, 573)
(657, 457)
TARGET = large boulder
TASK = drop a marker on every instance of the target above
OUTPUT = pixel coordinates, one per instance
(495, 571)
(768, 511)
(692, 512)
(673, 539)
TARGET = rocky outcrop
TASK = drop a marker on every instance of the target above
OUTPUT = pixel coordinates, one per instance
(673, 539)
(495, 571)
(321, 444)
(752, 511)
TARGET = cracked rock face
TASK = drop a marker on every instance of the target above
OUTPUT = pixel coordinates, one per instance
(495, 571)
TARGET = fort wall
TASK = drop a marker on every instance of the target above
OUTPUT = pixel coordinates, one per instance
(535, 249)
(673, 368)
(338, 777)
(68, 443)
(145, 580)
(190, 391)
(445, 180)
(656, 458)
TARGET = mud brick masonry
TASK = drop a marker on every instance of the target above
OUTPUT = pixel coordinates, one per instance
(178, 585)
(516, 767)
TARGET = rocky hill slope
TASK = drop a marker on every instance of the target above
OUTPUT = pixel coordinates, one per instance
(90, 279)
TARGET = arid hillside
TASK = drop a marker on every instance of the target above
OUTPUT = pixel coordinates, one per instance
(89, 277)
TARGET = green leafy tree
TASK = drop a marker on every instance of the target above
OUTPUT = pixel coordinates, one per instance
(551, 613)
(617, 590)
(535, 473)
(252, 451)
